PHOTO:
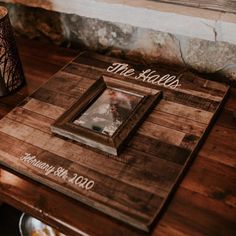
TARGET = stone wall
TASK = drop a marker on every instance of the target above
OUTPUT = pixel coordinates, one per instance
(124, 40)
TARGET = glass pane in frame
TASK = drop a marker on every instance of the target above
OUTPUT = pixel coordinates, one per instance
(109, 111)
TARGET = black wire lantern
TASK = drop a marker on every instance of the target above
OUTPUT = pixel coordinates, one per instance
(11, 72)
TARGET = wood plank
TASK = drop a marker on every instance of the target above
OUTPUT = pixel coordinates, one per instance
(153, 146)
(193, 214)
(163, 150)
(65, 82)
(226, 5)
(139, 138)
(184, 111)
(139, 175)
(46, 109)
(161, 133)
(121, 199)
(217, 151)
(31, 119)
(54, 98)
(153, 161)
(178, 123)
(61, 81)
(186, 97)
(219, 181)
(222, 148)
(193, 84)
(191, 100)
(90, 62)
(17, 191)
(227, 119)
(54, 112)
(189, 142)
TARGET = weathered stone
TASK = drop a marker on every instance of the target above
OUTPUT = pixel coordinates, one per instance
(154, 46)
(37, 23)
(207, 56)
(96, 34)
(218, 58)
(127, 40)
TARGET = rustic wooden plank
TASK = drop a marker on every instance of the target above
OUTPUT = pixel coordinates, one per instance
(54, 98)
(154, 159)
(147, 145)
(65, 82)
(144, 168)
(30, 118)
(184, 111)
(177, 123)
(214, 174)
(192, 84)
(88, 60)
(88, 221)
(163, 150)
(150, 145)
(104, 185)
(226, 5)
(46, 109)
(195, 92)
(227, 119)
(191, 100)
(220, 144)
(190, 215)
(217, 151)
(225, 135)
(61, 81)
(161, 133)
(158, 130)
(189, 141)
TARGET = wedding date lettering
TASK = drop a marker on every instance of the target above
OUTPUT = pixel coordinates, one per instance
(78, 180)
(148, 76)
(60, 172)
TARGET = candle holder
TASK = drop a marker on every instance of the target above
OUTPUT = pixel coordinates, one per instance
(11, 72)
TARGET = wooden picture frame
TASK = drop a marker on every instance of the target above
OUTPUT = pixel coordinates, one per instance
(126, 106)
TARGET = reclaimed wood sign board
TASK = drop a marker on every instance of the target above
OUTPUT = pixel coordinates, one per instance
(135, 185)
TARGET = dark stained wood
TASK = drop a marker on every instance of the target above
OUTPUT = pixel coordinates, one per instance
(221, 5)
(192, 101)
(125, 187)
(115, 143)
(55, 98)
(198, 207)
(193, 84)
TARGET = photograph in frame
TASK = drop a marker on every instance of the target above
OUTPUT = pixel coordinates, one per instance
(109, 111)
(107, 115)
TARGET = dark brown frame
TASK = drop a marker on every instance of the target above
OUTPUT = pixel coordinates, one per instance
(64, 125)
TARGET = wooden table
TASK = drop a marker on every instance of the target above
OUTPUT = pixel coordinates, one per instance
(205, 203)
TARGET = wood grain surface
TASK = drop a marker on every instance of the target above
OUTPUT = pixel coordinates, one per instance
(225, 5)
(132, 187)
(203, 205)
